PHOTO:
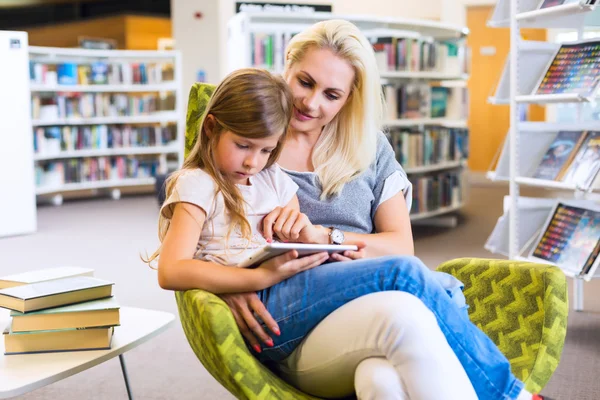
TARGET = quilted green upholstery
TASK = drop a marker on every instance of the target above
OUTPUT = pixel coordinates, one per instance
(197, 102)
(522, 307)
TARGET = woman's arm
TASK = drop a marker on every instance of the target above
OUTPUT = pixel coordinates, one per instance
(394, 233)
(177, 270)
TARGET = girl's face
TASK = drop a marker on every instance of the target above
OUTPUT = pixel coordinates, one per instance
(321, 84)
(239, 158)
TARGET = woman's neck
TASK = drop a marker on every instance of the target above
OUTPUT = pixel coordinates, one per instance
(305, 138)
(298, 149)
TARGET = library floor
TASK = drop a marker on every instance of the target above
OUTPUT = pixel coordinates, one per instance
(109, 235)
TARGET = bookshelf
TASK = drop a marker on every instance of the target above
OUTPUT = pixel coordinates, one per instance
(259, 40)
(527, 142)
(104, 120)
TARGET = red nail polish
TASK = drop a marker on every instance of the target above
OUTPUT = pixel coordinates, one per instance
(276, 331)
(269, 240)
(270, 343)
(257, 348)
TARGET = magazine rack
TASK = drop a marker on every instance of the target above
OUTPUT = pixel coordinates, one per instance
(526, 63)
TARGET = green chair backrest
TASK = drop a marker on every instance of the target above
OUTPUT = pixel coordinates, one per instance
(198, 100)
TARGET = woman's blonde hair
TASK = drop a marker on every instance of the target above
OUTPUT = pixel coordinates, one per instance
(348, 144)
(251, 103)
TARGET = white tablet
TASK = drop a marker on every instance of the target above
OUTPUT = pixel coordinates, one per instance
(275, 249)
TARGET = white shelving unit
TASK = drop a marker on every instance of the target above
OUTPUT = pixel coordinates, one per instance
(239, 54)
(527, 142)
(17, 202)
(173, 150)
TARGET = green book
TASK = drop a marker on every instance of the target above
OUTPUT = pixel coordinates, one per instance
(60, 292)
(95, 313)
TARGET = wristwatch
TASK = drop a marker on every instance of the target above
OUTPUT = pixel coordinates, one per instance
(336, 236)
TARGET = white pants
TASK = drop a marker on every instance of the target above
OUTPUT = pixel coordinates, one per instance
(384, 345)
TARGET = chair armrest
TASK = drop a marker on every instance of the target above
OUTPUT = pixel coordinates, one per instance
(522, 307)
(216, 340)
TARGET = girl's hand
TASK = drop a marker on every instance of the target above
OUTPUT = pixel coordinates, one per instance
(290, 225)
(349, 255)
(287, 265)
(244, 307)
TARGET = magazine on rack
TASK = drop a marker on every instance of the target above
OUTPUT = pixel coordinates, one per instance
(574, 69)
(570, 239)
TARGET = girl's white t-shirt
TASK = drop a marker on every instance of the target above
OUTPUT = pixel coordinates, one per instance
(268, 189)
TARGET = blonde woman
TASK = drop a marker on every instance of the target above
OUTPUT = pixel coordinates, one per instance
(380, 327)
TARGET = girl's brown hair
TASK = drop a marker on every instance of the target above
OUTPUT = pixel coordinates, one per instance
(251, 103)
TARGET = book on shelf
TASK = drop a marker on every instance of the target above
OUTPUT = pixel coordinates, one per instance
(433, 145)
(57, 340)
(439, 101)
(584, 168)
(93, 105)
(559, 155)
(404, 52)
(420, 100)
(90, 314)
(574, 69)
(43, 275)
(570, 239)
(100, 73)
(433, 192)
(42, 295)
(56, 173)
(55, 140)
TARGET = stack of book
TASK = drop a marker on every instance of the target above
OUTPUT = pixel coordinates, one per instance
(58, 309)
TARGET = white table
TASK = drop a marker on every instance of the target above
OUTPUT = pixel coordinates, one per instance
(26, 372)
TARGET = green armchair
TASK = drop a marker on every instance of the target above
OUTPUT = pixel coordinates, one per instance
(521, 306)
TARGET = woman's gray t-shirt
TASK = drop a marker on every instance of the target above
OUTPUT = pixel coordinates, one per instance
(353, 210)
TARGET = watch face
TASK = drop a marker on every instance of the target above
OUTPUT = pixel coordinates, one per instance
(337, 236)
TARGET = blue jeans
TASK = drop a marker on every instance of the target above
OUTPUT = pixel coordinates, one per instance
(299, 303)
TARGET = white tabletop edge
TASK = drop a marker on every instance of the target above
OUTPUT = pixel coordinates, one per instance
(107, 355)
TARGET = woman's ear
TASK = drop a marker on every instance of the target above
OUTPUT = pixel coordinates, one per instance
(209, 125)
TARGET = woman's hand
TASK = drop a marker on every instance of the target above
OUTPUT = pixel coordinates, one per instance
(290, 225)
(244, 307)
(287, 265)
(349, 255)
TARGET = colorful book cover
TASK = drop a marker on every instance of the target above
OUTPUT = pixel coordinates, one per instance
(570, 238)
(574, 70)
(439, 102)
(558, 154)
(586, 164)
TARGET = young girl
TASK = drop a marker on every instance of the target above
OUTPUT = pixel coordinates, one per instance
(228, 183)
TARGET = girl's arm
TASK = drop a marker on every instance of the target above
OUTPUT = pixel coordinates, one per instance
(177, 270)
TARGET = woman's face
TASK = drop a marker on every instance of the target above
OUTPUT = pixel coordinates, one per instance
(321, 84)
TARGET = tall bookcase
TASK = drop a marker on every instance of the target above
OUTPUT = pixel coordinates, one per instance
(527, 142)
(104, 119)
(259, 40)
